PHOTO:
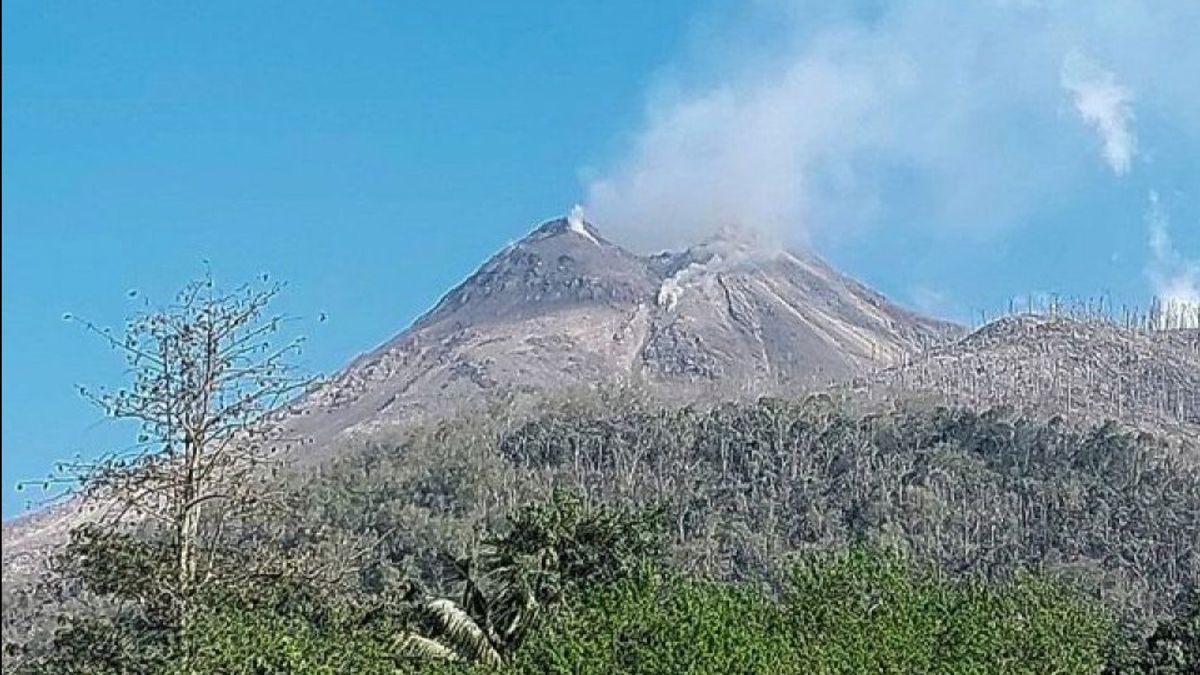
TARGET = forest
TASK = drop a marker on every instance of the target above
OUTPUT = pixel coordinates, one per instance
(602, 533)
(769, 537)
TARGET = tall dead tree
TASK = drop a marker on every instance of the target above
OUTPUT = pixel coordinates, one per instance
(210, 381)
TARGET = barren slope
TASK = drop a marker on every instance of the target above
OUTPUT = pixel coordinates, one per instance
(565, 308)
(1091, 370)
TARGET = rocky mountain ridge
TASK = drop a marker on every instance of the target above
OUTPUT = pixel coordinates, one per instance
(565, 307)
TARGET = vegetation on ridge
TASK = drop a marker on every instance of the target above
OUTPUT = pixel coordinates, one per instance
(809, 535)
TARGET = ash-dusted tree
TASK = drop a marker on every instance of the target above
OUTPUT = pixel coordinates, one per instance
(211, 378)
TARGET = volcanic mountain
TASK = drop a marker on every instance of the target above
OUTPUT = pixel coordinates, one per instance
(564, 307)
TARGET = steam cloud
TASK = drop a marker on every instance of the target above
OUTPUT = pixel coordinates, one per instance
(1174, 278)
(1106, 105)
(954, 116)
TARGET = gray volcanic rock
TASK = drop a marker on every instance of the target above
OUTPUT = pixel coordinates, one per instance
(564, 308)
(781, 317)
(559, 266)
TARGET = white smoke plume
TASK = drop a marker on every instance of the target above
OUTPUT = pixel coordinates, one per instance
(730, 250)
(575, 221)
(807, 119)
(1105, 105)
(1174, 278)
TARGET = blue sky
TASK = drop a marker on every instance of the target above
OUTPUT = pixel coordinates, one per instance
(953, 155)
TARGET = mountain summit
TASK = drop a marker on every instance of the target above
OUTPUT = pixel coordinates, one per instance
(566, 307)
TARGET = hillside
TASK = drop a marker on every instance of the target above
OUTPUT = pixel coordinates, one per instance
(565, 308)
(1083, 369)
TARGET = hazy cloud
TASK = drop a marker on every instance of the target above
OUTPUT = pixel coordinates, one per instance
(936, 302)
(1174, 278)
(804, 119)
(1105, 105)
(738, 155)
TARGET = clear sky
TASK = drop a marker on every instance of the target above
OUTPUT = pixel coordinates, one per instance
(953, 155)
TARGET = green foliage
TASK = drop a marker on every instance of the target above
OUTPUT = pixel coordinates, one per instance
(574, 580)
(572, 545)
(99, 645)
(237, 641)
(671, 624)
(122, 565)
(855, 612)
(286, 627)
(868, 611)
(1113, 512)
(244, 643)
(551, 550)
(291, 624)
(864, 609)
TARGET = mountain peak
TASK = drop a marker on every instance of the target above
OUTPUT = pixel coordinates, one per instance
(563, 307)
(573, 223)
(562, 263)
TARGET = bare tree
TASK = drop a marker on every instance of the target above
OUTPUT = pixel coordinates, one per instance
(211, 380)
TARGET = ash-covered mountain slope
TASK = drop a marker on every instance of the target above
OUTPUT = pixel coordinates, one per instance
(1087, 369)
(564, 307)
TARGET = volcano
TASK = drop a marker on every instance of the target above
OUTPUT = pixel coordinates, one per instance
(565, 308)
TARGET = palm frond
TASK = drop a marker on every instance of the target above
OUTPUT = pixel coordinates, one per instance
(416, 646)
(462, 631)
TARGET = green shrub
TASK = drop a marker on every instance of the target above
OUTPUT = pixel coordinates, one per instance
(872, 611)
(860, 611)
(663, 625)
(244, 643)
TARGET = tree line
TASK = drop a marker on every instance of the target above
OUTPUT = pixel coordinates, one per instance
(610, 535)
